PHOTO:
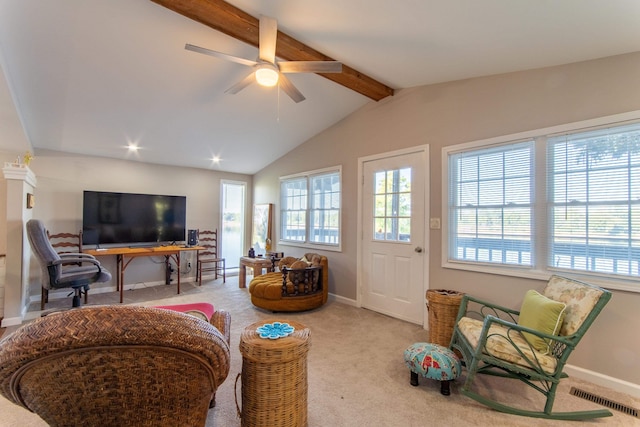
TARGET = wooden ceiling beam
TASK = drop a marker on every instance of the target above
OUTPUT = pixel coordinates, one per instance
(230, 20)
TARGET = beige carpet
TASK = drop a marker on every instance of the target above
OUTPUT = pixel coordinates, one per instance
(355, 369)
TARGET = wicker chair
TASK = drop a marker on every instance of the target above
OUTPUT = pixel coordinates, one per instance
(493, 342)
(115, 366)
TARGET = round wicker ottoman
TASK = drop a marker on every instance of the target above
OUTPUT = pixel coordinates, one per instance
(274, 377)
(432, 361)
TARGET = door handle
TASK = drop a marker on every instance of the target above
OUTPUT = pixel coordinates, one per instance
(418, 249)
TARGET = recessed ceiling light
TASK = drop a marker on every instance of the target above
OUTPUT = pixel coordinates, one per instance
(133, 147)
(215, 159)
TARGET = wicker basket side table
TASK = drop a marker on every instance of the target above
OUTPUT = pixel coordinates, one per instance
(443, 306)
(274, 377)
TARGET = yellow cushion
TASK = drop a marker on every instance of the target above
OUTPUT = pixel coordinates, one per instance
(504, 344)
(268, 286)
(541, 314)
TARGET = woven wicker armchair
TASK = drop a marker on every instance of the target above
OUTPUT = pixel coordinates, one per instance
(115, 366)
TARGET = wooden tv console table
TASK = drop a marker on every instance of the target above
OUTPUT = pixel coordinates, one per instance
(125, 255)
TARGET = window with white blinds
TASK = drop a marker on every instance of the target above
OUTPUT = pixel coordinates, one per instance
(311, 208)
(324, 226)
(293, 217)
(594, 200)
(548, 202)
(490, 204)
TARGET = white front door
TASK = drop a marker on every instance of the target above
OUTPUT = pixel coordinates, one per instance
(394, 255)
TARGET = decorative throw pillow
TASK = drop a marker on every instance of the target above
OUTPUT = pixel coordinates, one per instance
(286, 262)
(542, 314)
(298, 264)
(304, 259)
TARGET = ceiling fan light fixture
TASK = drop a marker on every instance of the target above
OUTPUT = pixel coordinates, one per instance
(267, 75)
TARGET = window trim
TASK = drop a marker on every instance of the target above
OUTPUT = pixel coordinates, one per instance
(308, 244)
(538, 270)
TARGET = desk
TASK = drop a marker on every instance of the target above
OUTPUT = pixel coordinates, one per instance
(257, 264)
(125, 255)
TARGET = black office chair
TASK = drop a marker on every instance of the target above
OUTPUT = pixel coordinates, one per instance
(54, 274)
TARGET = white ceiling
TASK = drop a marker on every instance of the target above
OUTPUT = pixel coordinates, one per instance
(91, 76)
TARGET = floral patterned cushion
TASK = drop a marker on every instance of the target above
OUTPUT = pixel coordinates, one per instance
(579, 298)
(432, 361)
(499, 346)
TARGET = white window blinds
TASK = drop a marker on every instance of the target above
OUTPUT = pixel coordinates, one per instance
(311, 208)
(325, 208)
(594, 200)
(490, 204)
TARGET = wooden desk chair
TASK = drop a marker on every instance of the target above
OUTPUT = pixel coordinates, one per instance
(208, 259)
(65, 244)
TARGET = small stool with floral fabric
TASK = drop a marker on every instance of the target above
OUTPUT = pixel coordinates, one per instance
(432, 361)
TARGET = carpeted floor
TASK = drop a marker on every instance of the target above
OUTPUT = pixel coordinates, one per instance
(356, 372)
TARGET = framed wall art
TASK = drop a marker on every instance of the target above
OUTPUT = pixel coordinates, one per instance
(261, 236)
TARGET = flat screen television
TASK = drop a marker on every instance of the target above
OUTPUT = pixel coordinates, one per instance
(127, 218)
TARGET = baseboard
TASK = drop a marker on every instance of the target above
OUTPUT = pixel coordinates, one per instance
(61, 294)
(11, 321)
(603, 380)
(14, 321)
(343, 300)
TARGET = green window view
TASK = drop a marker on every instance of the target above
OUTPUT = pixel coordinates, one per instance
(392, 205)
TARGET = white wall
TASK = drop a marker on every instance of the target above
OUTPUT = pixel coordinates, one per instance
(462, 111)
(63, 177)
(5, 156)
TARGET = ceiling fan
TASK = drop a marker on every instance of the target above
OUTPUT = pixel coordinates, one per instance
(266, 70)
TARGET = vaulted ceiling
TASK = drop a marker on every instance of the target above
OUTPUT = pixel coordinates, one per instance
(94, 76)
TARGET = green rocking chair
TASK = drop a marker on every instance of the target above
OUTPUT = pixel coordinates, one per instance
(531, 345)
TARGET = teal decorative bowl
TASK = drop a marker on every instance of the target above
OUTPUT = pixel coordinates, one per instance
(275, 330)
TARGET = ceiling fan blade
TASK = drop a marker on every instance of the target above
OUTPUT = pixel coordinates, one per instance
(310, 66)
(268, 35)
(290, 89)
(217, 54)
(242, 83)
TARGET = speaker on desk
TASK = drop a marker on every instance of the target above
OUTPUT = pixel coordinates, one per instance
(192, 237)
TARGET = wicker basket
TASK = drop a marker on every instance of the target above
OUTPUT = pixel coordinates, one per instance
(443, 308)
(274, 377)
